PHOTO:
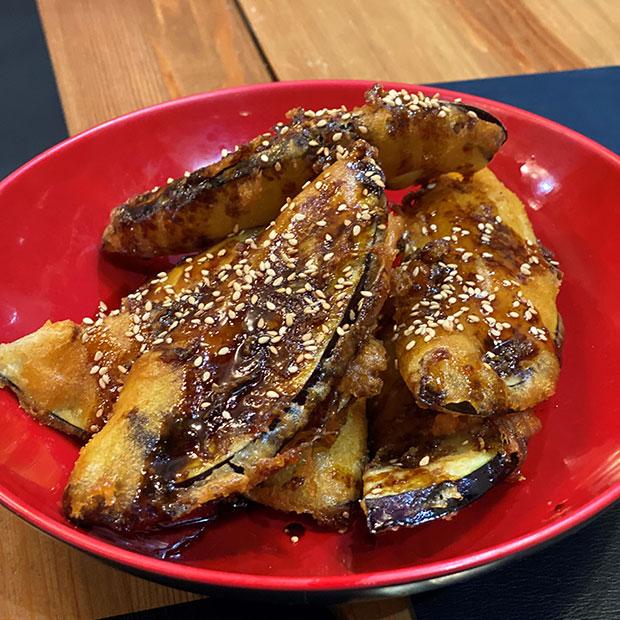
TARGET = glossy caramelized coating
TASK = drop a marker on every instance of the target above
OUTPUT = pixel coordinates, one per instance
(417, 137)
(204, 416)
(427, 465)
(325, 477)
(477, 328)
(68, 376)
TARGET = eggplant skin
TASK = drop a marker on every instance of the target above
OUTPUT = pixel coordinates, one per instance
(427, 465)
(411, 508)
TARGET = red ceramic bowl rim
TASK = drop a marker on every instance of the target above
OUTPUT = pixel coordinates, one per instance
(377, 579)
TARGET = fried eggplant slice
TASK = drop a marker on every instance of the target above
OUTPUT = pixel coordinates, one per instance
(69, 375)
(477, 329)
(325, 478)
(418, 138)
(429, 465)
(204, 416)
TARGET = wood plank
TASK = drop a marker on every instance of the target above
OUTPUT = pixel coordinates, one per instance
(433, 40)
(44, 578)
(119, 55)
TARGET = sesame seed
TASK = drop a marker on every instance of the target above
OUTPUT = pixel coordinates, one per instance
(198, 361)
(337, 136)
(425, 461)
(328, 256)
(87, 320)
(270, 305)
(272, 394)
(223, 351)
(226, 415)
(410, 345)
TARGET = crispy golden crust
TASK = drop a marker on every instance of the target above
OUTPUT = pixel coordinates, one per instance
(205, 415)
(418, 138)
(68, 376)
(34, 367)
(426, 465)
(475, 301)
(326, 478)
(328, 458)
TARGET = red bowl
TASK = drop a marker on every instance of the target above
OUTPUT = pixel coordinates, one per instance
(52, 213)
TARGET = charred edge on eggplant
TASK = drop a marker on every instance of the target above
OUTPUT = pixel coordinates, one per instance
(419, 506)
(371, 263)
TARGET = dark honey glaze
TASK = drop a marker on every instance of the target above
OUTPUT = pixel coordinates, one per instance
(259, 340)
(468, 273)
(149, 313)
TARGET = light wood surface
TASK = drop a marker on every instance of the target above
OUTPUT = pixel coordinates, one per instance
(113, 56)
(42, 578)
(433, 40)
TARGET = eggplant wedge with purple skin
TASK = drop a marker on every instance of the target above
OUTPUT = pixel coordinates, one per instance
(418, 138)
(69, 375)
(428, 465)
(264, 339)
(476, 324)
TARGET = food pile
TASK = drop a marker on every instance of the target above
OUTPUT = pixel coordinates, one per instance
(320, 349)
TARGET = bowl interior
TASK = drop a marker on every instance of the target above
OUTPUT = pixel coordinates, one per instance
(53, 211)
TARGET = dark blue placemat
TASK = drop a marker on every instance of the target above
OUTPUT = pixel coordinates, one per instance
(31, 118)
(585, 100)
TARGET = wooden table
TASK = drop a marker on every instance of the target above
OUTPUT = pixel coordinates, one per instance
(114, 56)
